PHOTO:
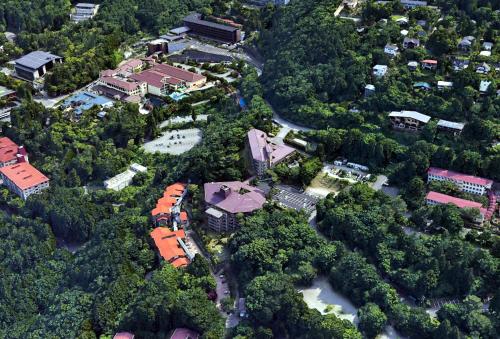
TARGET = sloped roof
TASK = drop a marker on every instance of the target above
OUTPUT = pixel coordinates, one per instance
(459, 176)
(168, 245)
(36, 59)
(411, 114)
(8, 149)
(234, 196)
(23, 175)
(460, 203)
(263, 149)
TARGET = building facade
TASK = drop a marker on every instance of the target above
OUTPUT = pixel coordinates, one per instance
(226, 200)
(408, 120)
(466, 183)
(23, 179)
(36, 64)
(266, 153)
(212, 30)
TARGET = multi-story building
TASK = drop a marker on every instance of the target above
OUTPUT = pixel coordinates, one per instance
(35, 65)
(435, 198)
(171, 246)
(225, 200)
(84, 11)
(466, 183)
(212, 30)
(408, 120)
(168, 208)
(11, 153)
(23, 179)
(265, 153)
(163, 77)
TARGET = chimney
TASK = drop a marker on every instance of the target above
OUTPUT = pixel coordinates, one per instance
(21, 151)
(225, 190)
(20, 158)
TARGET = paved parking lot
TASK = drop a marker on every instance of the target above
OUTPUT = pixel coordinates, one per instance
(296, 199)
(175, 142)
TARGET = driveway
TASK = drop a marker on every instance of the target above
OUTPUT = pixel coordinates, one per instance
(379, 183)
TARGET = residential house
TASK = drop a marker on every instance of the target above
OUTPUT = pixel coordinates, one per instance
(408, 120)
(351, 4)
(487, 46)
(124, 179)
(23, 179)
(184, 333)
(411, 42)
(410, 4)
(413, 65)
(391, 50)
(465, 45)
(460, 64)
(483, 68)
(171, 246)
(225, 200)
(466, 183)
(449, 126)
(380, 71)
(435, 198)
(441, 85)
(422, 85)
(484, 86)
(266, 153)
(35, 65)
(369, 90)
(84, 11)
(429, 64)
(168, 208)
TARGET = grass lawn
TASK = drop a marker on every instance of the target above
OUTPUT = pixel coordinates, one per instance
(324, 184)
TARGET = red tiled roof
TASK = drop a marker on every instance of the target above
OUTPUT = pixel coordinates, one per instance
(429, 61)
(126, 85)
(459, 176)
(23, 175)
(178, 73)
(460, 203)
(168, 246)
(8, 149)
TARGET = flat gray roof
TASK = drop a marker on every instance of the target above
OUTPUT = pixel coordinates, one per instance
(451, 124)
(37, 59)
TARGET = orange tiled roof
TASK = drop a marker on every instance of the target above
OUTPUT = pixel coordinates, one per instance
(23, 175)
(161, 210)
(184, 216)
(170, 250)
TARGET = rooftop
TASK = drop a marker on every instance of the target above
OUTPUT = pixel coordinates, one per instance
(84, 101)
(23, 175)
(169, 247)
(411, 114)
(123, 335)
(184, 333)
(451, 124)
(4, 91)
(448, 199)
(234, 196)
(195, 18)
(8, 150)
(263, 149)
(459, 176)
(36, 59)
